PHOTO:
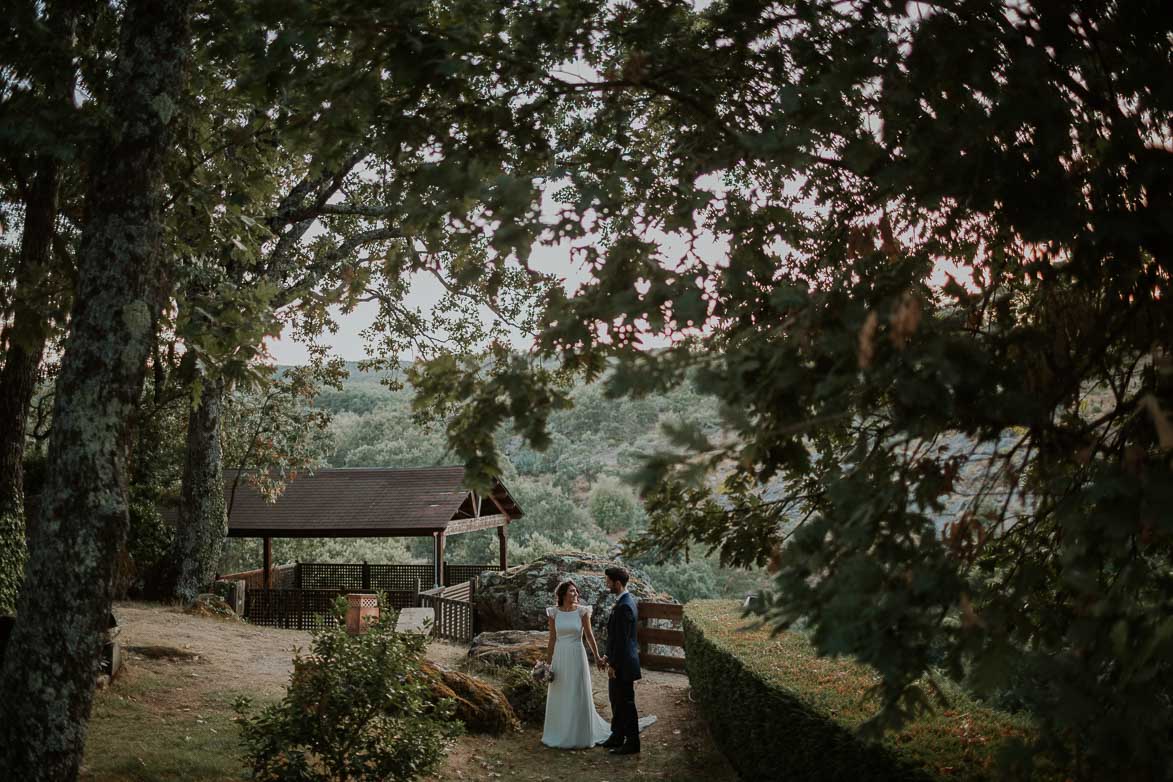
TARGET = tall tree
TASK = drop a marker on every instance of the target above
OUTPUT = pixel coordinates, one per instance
(48, 674)
(414, 130)
(38, 106)
(935, 308)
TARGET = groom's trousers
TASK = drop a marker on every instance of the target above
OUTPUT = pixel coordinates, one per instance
(624, 719)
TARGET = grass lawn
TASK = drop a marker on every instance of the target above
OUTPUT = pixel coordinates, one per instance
(153, 724)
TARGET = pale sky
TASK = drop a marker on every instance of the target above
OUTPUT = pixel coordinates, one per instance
(425, 293)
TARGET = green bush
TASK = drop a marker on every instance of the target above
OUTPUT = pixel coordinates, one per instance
(526, 696)
(357, 708)
(776, 709)
(615, 508)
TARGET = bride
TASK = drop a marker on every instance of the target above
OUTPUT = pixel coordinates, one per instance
(571, 719)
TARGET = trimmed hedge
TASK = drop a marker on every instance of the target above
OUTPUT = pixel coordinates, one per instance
(778, 711)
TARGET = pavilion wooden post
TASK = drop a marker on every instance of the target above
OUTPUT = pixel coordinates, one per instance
(268, 563)
(438, 557)
(504, 546)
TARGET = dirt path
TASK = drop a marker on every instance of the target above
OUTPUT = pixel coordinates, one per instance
(229, 654)
(236, 657)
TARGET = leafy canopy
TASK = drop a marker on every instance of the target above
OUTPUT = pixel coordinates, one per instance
(936, 322)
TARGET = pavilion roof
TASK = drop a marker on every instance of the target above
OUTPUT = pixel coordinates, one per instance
(367, 502)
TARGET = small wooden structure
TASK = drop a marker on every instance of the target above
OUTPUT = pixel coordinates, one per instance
(363, 502)
(371, 502)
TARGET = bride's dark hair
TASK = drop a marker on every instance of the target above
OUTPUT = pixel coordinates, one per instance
(563, 588)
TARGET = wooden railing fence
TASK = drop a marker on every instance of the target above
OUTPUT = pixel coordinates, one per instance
(283, 577)
(660, 636)
(454, 609)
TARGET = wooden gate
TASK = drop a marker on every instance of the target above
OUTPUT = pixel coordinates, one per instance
(660, 636)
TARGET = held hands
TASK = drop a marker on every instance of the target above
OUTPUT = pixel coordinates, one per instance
(602, 661)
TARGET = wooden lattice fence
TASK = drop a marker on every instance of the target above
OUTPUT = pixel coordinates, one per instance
(458, 574)
(291, 609)
(305, 595)
(284, 577)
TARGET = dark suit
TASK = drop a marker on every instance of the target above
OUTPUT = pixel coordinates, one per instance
(623, 656)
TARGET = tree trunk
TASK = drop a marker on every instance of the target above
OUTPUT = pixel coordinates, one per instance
(25, 335)
(24, 342)
(202, 523)
(48, 673)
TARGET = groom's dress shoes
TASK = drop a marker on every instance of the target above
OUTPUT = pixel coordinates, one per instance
(611, 743)
(629, 748)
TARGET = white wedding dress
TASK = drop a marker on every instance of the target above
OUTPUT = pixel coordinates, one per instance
(571, 719)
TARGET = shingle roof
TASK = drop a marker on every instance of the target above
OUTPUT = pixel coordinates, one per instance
(359, 502)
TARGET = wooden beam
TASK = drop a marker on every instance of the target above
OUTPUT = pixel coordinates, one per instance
(503, 543)
(656, 635)
(438, 558)
(326, 532)
(268, 563)
(497, 504)
(661, 662)
(459, 526)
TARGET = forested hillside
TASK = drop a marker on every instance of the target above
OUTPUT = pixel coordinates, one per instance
(573, 492)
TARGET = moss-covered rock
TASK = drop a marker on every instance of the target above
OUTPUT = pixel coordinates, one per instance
(510, 648)
(526, 696)
(482, 707)
(212, 605)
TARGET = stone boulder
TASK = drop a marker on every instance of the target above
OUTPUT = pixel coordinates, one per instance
(509, 648)
(482, 707)
(209, 604)
(517, 598)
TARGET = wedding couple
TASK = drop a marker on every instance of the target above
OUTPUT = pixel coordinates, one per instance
(571, 719)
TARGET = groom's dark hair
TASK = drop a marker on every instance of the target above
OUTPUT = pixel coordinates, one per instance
(617, 574)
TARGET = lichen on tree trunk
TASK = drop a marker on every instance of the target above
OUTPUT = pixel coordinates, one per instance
(48, 675)
(17, 383)
(202, 522)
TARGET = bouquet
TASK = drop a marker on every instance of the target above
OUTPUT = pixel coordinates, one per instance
(543, 673)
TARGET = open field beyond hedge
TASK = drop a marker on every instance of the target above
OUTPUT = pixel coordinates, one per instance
(813, 699)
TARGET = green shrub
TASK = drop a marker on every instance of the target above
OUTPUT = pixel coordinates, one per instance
(615, 508)
(526, 696)
(357, 708)
(777, 709)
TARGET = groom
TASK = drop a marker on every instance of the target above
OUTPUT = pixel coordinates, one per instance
(622, 665)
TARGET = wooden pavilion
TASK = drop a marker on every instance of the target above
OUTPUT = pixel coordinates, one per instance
(371, 502)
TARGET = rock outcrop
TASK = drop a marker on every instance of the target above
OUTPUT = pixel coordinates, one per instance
(208, 604)
(509, 648)
(516, 599)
